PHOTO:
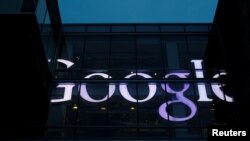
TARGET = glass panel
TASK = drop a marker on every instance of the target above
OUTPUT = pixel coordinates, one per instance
(97, 53)
(196, 28)
(60, 132)
(197, 46)
(92, 113)
(98, 28)
(63, 113)
(41, 12)
(183, 110)
(74, 28)
(97, 44)
(91, 132)
(149, 53)
(172, 28)
(123, 133)
(123, 28)
(121, 111)
(154, 133)
(122, 55)
(148, 112)
(176, 54)
(147, 28)
(72, 51)
(7, 6)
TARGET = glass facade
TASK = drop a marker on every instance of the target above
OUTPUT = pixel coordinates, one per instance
(121, 80)
(134, 82)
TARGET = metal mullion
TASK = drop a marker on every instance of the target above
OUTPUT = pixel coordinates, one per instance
(164, 65)
(136, 84)
(193, 84)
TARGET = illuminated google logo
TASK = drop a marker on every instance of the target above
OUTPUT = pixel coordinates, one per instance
(123, 88)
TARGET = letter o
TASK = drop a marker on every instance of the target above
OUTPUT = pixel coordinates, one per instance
(84, 93)
(125, 93)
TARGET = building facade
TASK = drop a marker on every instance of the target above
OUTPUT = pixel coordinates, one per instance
(121, 81)
(134, 81)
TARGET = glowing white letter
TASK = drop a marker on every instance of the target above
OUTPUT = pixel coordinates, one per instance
(217, 91)
(126, 95)
(84, 93)
(201, 86)
(67, 92)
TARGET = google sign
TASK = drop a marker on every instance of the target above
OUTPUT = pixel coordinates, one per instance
(123, 88)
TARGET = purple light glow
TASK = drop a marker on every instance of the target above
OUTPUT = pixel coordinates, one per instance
(164, 114)
(180, 98)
